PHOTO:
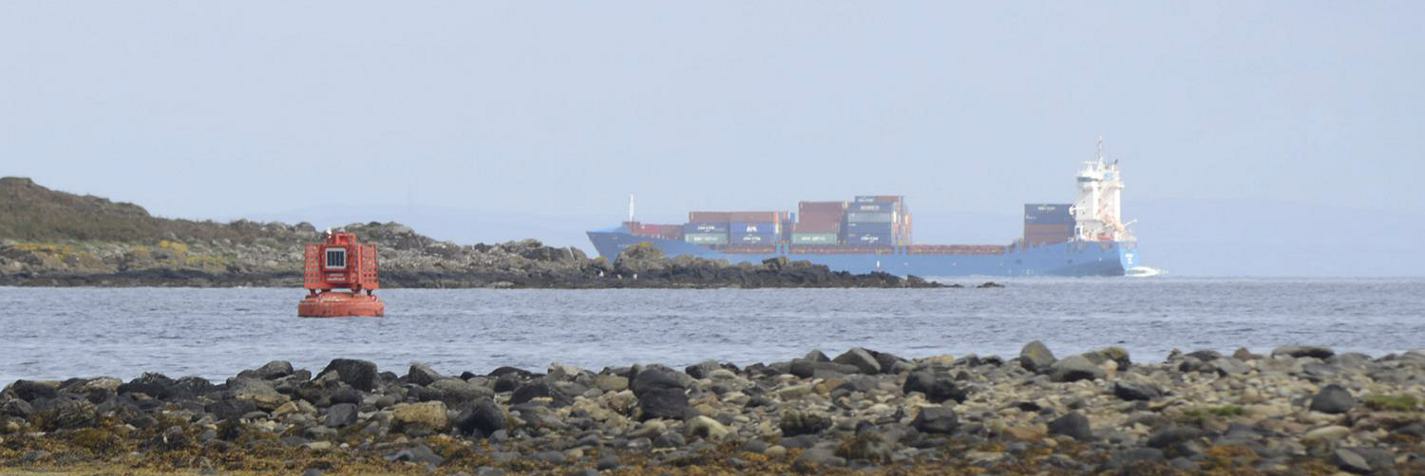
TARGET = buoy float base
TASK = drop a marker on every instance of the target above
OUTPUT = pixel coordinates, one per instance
(340, 304)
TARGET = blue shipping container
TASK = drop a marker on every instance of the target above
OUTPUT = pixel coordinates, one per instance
(705, 228)
(863, 227)
(873, 207)
(1047, 214)
(754, 227)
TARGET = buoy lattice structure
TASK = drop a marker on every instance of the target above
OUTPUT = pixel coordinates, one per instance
(340, 277)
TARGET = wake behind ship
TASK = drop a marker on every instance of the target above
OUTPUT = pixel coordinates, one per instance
(873, 233)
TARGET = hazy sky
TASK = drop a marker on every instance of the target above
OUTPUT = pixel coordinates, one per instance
(197, 109)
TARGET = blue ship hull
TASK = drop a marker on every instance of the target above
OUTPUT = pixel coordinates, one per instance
(1061, 259)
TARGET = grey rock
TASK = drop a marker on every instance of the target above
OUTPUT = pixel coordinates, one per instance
(417, 454)
(225, 409)
(1172, 435)
(340, 415)
(608, 462)
(1348, 460)
(1300, 351)
(360, 374)
(422, 374)
(70, 413)
(1135, 391)
(551, 457)
(1075, 368)
(657, 377)
(814, 369)
(670, 439)
(702, 369)
(1228, 366)
(816, 356)
(663, 403)
(1036, 357)
(270, 371)
(937, 386)
(795, 423)
(1074, 425)
(456, 393)
(860, 358)
(815, 458)
(485, 418)
(937, 420)
(1333, 399)
(29, 390)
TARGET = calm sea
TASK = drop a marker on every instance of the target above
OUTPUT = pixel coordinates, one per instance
(58, 333)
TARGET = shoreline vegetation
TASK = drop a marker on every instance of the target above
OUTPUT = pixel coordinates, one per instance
(1296, 410)
(52, 238)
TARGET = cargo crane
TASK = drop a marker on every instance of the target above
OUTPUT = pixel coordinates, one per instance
(340, 263)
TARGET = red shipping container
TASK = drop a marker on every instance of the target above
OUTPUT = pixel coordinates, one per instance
(709, 217)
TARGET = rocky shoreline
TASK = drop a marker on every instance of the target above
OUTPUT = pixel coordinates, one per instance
(1297, 410)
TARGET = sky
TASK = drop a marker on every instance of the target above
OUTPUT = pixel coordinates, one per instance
(502, 120)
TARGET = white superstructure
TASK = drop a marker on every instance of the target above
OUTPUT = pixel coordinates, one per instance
(1098, 211)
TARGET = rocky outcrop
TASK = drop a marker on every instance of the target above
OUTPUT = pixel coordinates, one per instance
(973, 415)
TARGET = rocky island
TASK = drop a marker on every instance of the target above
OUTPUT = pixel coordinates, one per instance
(1295, 410)
(52, 238)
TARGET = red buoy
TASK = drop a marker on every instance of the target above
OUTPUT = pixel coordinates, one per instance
(341, 263)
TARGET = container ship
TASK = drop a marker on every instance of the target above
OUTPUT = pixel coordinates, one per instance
(872, 233)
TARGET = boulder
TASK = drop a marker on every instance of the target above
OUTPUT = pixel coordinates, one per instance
(259, 392)
(814, 369)
(360, 374)
(1135, 391)
(860, 358)
(1036, 357)
(270, 371)
(1172, 435)
(455, 392)
(340, 415)
(657, 377)
(1075, 368)
(421, 374)
(1073, 425)
(1299, 351)
(794, 423)
(424, 416)
(484, 419)
(29, 390)
(706, 428)
(1333, 399)
(70, 413)
(936, 420)
(663, 402)
(937, 386)
(1349, 460)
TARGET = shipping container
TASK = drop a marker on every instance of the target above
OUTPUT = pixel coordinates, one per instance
(819, 219)
(804, 208)
(870, 217)
(717, 227)
(772, 217)
(706, 238)
(869, 239)
(879, 199)
(832, 228)
(1047, 213)
(755, 227)
(815, 238)
(753, 238)
(709, 217)
(862, 227)
(874, 207)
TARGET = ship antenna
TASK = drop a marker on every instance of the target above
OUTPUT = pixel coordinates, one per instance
(1101, 158)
